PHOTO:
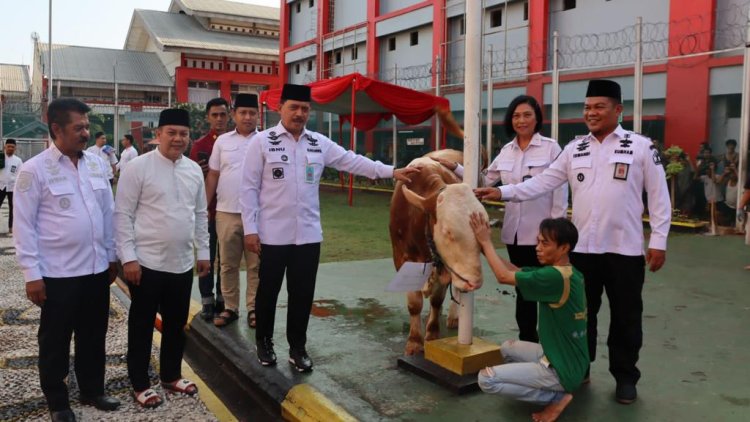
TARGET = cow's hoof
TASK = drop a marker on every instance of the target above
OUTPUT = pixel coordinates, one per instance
(451, 322)
(413, 348)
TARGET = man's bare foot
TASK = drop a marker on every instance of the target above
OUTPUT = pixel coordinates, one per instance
(553, 410)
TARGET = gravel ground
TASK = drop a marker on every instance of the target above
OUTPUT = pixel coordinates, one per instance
(21, 397)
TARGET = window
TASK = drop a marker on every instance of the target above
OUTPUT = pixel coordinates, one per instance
(211, 65)
(392, 44)
(525, 10)
(462, 26)
(354, 53)
(312, 3)
(296, 68)
(337, 57)
(253, 68)
(309, 65)
(414, 38)
(569, 4)
(299, 6)
(203, 64)
(496, 18)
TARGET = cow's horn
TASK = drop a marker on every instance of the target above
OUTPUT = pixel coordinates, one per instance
(425, 204)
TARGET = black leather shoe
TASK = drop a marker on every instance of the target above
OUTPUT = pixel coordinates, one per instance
(102, 402)
(266, 355)
(208, 312)
(63, 416)
(300, 360)
(219, 307)
(625, 393)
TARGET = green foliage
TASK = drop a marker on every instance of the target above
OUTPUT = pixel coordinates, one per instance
(674, 168)
(198, 124)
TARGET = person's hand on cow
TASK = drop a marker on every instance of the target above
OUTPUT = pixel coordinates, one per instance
(402, 174)
(488, 194)
(450, 165)
(482, 230)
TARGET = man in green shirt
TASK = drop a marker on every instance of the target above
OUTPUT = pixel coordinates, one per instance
(545, 373)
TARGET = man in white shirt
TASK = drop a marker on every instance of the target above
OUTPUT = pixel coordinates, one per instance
(608, 170)
(161, 222)
(224, 179)
(66, 250)
(10, 169)
(281, 216)
(128, 152)
(106, 153)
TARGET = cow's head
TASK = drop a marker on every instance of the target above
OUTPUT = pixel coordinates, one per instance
(450, 209)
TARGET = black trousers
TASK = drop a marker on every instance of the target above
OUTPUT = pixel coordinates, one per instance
(300, 262)
(206, 283)
(621, 277)
(169, 294)
(80, 306)
(3, 194)
(526, 310)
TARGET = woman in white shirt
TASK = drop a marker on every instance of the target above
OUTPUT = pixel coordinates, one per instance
(527, 155)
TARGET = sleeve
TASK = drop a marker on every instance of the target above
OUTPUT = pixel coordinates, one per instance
(201, 219)
(108, 216)
(550, 179)
(560, 195)
(543, 284)
(252, 177)
(126, 203)
(194, 151)
(345, 160)
(490, 177)
(659, 203)
(214, 161)
(25, 208)
(112, 157)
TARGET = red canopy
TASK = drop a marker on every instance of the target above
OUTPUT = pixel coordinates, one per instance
(373, 100)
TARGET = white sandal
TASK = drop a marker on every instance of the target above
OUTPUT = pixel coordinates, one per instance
(148, 398)
(181, 386)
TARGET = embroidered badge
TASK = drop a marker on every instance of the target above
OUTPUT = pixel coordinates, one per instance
(621, 171)
(583, 146)
(23, 183)
(278, 173)
(284, 158)
(657, 156)
(65, 203)
(580, 177)
(272, 138)
(312, 141)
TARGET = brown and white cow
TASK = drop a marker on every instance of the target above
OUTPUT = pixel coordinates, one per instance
(435, 203)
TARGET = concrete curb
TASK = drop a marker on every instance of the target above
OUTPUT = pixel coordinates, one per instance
(278, 394)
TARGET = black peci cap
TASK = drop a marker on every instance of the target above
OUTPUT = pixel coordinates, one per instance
(246, 100)
(604, 88)
(174, 116)
(296, 92)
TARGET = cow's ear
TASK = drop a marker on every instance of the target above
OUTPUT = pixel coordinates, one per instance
(413, 198)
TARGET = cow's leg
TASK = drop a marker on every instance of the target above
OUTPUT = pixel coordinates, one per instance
(452, 321)
(432, 331)
(415, 343)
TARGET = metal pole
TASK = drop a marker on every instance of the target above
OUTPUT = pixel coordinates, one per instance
(169, 97)
(49, 56)
(1, 104)
(116, 115)
(438, 136)
(555, 89)
(638, 77)
(472, 134)
(744, 117)
(393, 120)
(490, 92)
(330, 125)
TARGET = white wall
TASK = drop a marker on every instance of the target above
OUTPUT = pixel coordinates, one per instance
(414, 62)
(304, 76)
(388, 6)
(348, 12)
(169, 59)
(303, 25)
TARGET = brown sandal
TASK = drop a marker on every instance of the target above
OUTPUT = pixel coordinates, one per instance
(226, 317)
(251, 319)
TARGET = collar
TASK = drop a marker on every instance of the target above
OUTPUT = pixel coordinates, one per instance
(234, 132)
(162, 157)
(536, 140)
(281, 130)
(618, 133)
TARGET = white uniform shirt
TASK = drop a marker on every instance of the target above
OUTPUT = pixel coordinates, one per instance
(607, 180)
(227, 158)
(514, 165)
(108, 158)
(280, 183)
(9, 172)
(63, 216)
(126, 156)
(160, 213)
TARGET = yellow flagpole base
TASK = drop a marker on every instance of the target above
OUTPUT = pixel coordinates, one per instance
(462, 359)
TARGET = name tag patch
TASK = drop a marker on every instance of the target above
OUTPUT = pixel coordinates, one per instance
(309, 173)
(621, 171)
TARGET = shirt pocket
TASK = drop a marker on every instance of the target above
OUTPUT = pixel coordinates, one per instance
(230, 156)
(98, 183)
(621, 166)
(62, 197)
(278, 167)
(505, 168)
(581, 171)
(317, 163)
(536, 165)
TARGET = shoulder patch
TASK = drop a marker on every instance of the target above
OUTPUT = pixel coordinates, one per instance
(23, 183)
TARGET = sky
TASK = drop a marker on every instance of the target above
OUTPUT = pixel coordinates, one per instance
(91, 23)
